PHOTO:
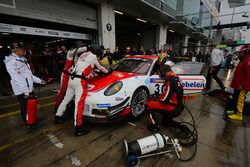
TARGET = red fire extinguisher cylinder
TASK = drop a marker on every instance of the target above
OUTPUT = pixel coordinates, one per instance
(31, 111)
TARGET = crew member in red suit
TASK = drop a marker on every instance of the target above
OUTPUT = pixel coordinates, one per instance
(241, 84)
(77, 87)
(78, 48)
(165, 107)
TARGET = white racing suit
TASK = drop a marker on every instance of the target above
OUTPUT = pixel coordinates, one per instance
(78, 85)
(71, 57)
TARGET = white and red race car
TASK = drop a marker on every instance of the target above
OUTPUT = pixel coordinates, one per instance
(125, 91)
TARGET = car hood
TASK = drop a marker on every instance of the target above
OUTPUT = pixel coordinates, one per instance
(99, 82)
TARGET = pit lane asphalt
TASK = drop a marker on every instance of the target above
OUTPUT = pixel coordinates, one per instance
(220, 143)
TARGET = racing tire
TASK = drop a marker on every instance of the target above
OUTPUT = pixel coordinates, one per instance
(138, 103)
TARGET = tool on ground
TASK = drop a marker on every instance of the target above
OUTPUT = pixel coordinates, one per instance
(160, 144)
(157, 144)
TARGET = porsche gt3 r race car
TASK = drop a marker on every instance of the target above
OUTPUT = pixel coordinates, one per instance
(125, 91)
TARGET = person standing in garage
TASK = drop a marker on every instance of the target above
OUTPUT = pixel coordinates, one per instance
(78, 87)
(22, 78)
(216, 60)
(162, 109)
(78, 48)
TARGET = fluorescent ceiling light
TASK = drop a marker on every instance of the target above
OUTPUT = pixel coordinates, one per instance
(6, 33)
(118, 12)
(144, 21)
(171, 30)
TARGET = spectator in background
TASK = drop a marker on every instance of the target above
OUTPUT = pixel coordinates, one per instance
(216, 60)
(4, 77)
(152, 52)
(141, 51)
(134, 51)
(199, 57)
(28, 56)
(47, 62)
(127, 52)
(61, 53)
(108, 54)
(116, 56)
(170, 53)
(104, 58)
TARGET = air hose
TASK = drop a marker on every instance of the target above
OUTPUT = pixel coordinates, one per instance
(188, 137)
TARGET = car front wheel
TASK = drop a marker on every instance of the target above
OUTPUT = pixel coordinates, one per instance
(138, 103)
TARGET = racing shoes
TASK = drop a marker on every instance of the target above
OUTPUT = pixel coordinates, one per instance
(237, 117)
(80, 131)
(58, 120)
(230, 112)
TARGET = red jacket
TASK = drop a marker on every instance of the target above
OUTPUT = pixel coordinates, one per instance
(173, 91)
(242, 74)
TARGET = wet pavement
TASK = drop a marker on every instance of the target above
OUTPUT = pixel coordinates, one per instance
(220, 144)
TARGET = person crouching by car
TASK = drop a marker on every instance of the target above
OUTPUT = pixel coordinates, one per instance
(163, 108)
(22, 78)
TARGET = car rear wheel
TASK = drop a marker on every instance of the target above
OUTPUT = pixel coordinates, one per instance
(138, 103)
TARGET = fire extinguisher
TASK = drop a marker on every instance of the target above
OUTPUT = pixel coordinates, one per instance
(31, 110)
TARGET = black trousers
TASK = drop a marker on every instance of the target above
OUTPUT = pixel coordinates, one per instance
(235, 99)
(23, 106)
(161, 117)
(214, 75)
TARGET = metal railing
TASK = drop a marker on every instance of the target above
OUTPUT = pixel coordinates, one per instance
(167, 6)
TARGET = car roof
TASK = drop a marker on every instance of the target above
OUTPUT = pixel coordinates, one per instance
(143, 57)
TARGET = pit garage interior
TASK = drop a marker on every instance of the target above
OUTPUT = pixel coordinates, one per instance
(134, 33)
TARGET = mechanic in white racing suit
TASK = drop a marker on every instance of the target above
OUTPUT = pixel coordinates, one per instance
(71, 57)
(77, 87)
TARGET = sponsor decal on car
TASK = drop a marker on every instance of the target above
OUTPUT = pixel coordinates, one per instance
(103, 105)
(156, 80)
(193, 83)
(119, 98)
(188, 84)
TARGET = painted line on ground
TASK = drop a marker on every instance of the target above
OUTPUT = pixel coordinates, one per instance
(30, 137)
(18, 111)
(11, 105)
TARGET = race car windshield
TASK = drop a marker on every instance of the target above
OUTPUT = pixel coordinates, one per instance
(139, 66)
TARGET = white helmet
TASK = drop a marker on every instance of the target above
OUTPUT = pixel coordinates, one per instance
(170, 63)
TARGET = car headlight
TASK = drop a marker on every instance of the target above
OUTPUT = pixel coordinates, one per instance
(113, 88)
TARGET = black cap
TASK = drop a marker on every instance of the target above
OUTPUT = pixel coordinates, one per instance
(98, 50)
(78, 44)
(16, 44)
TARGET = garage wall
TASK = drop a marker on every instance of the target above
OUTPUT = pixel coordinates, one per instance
(149, 38)
(59, 11)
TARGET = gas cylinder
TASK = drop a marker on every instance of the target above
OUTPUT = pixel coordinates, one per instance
(145, 145)
(31, 111)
